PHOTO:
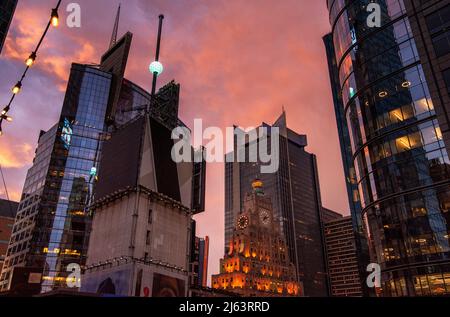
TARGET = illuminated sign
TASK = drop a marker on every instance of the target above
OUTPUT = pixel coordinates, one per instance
(64, 252)
(66, 133)
(352, 92)
(354, 38)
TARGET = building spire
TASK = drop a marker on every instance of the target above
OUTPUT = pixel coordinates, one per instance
(116, 29)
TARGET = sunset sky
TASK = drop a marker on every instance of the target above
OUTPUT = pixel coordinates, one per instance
(238, 62)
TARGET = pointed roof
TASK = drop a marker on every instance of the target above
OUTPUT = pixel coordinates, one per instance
(115, 29)
(281, 122)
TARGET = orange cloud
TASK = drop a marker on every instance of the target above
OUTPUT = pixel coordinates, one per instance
(15, 155)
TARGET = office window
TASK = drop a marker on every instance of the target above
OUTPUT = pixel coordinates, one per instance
(150, 216)
(441, 44)
(438, 20)
(439, 27)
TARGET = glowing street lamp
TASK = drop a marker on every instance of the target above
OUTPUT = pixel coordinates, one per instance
(156, 68)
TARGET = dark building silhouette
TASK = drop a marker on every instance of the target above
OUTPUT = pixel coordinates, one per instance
(396, 140)
(329, 215)
(198, 266)
(7, 9)
(295, 192)
(8, 210)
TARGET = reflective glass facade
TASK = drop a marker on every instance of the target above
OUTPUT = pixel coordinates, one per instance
(132, 101)
(60, 184)
(401, 164)
(52, 225)
(348, 164)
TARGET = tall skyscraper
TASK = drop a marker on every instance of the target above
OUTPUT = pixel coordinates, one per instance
(8, 210)
(342, 259)
(50, 231)
(199, 260)
(397, 148)
(295, 192)
(348, 164)
(7, 9)
(257, 262)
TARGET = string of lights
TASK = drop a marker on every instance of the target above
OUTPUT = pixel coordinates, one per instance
(29, 62)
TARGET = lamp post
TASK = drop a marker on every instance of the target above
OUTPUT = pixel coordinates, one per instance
(156, 68)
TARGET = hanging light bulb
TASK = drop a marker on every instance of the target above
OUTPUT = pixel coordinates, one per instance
(6, 117)
(55, 18)
(5, 111)
(17, 87)
(30, 60)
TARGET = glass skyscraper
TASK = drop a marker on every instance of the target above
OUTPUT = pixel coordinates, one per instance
(51, 229)
(397, 149)
(349, 167)
(7, 9)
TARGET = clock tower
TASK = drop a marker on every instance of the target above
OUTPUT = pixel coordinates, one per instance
(257, 261)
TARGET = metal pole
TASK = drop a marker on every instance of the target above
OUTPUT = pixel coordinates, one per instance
(158, 48)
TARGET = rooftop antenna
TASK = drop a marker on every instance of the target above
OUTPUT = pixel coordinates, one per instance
(116, 29)
(156, 68)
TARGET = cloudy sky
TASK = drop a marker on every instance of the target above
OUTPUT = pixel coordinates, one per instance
(238, 62)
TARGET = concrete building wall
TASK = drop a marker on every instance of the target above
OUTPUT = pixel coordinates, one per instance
(139, 246)
(138, 226)
(111, 232)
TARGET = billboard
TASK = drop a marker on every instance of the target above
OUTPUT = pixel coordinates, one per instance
(166, 286)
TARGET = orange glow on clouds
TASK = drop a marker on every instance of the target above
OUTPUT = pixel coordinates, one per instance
(238, 62)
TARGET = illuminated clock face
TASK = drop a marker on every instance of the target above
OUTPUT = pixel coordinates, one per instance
(264, 217)
(243, 222)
